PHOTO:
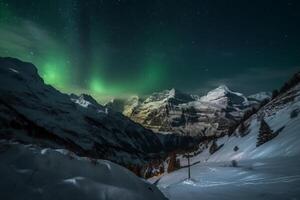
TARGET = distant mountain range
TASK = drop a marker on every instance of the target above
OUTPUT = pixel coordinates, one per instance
(42, 129)
(172, 111)
(32, 112)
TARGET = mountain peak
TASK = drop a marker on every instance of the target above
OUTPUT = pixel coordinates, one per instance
(223, 87)
(224, 96)
(89, 98)
(172, 92)
(173, 96)
(216, 93)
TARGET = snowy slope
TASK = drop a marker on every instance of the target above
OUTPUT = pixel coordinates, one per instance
(269, 171)
(33, 112)
(267, 179)
(260, 96)
(29, 172)
(277, 114)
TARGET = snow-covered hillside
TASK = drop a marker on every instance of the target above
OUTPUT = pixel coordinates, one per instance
(29, 172)
(279, 116)
(242, 169)
(172, 111)
(33, 112)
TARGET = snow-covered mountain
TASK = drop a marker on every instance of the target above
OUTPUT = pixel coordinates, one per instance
(281, 114)
(34, 113)
(31, 172)
(260, 160)
(224, 97)
(172, 111)
(259, 97)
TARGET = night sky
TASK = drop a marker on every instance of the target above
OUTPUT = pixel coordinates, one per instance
(115, 48)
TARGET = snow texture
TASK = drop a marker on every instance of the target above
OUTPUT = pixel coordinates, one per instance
(29, 172)
(270, 171)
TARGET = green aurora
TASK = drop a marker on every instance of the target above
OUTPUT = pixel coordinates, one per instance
(29, 42)
(119, 48)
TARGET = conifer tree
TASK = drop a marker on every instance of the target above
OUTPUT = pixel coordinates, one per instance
(265, 133)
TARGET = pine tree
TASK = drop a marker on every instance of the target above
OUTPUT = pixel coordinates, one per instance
(265, 133)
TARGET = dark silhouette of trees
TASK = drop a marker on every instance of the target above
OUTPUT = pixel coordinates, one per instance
(287, 85)
(275, 93)
(265, 133)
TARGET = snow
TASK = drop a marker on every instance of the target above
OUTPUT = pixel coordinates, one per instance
(28, 172)
(172, 93)
(270, 171)
(81, 101)
(162, 111)
(256, 179)
(260, 96)
(217, 95)
(14, 70)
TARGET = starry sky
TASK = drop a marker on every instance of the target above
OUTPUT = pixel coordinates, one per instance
(116, 48)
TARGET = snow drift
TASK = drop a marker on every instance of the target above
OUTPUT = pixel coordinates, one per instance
(30, 172)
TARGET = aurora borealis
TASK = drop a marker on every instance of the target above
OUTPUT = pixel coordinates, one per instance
(114, 48)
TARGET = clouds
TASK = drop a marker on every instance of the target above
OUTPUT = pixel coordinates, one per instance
(30, 42)
(26, 39)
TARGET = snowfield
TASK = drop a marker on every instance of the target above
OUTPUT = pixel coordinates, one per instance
(270, 171)
(256, 179)
(30, 173)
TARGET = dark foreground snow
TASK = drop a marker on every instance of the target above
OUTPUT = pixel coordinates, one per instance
(31, 173)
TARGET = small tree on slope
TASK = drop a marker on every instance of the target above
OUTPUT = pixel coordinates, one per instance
(174, 163)
(265, 133)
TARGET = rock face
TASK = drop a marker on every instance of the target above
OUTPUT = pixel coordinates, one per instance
(172, 111)
(33, 112)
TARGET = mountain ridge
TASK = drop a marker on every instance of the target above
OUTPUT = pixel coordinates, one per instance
(171, 111)
(30, 109)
